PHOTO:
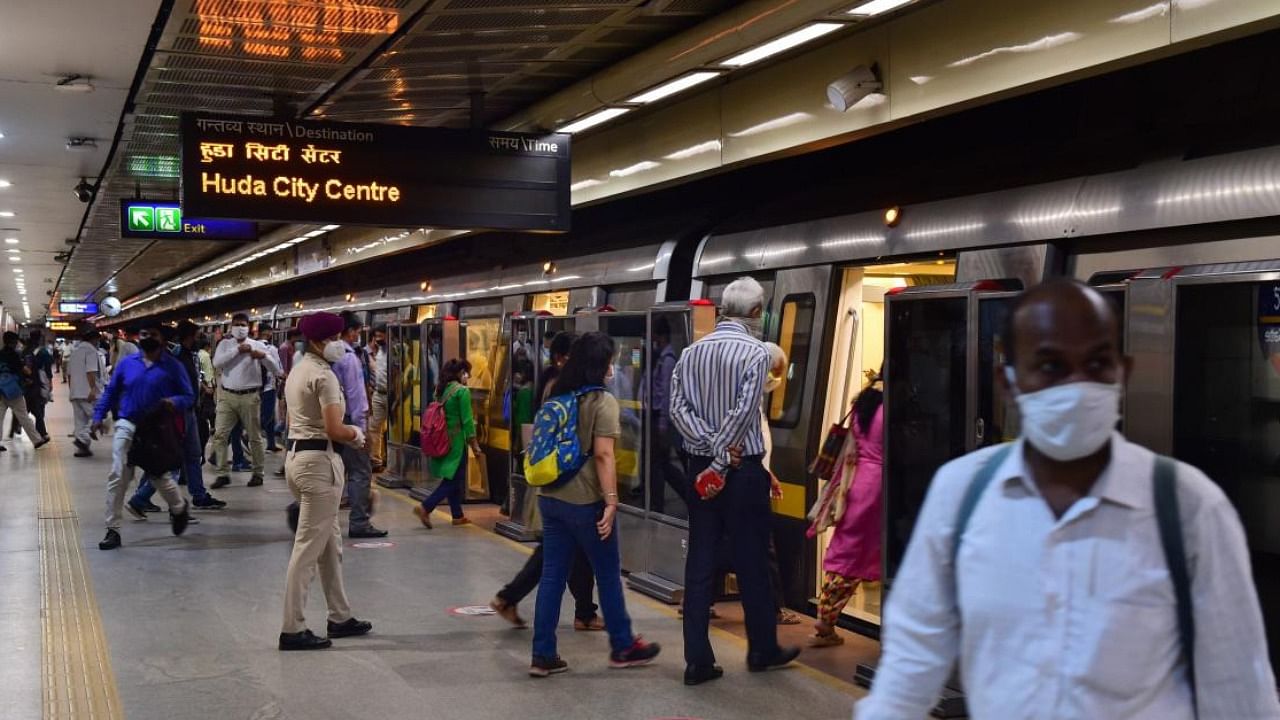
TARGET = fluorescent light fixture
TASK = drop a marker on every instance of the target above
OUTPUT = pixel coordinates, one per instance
(594, 119)
(642, 166)
(584, 184)
(774, 124)
(5, 184)
(692, 150)
(14, 258)
(672, 87)
(6, 213)
(877, 7)
(14, 251)
(11, 241)
(782, 44)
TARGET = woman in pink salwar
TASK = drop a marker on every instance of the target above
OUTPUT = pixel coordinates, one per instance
(853, 555)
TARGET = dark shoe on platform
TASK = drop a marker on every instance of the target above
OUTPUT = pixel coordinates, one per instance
(424, 516)
(350, 628)
(698, 674)
(180, 520)
(508, 611)
(220, 482)
(208, 502)
(137, 512)
(42, 442)
(111, 541)
(783, 656)
(640, 653)
(255, 481)
(148, 507)
(305, 640)
(368, 532)
(546, 667)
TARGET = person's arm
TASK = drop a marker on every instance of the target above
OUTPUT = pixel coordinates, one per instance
(352, 381)
(607, 473)
(329, 392)
(271, 358)
(185, 397)
(334, 427)
(683, 416)
(1233, 676)
(467, 419)
(224, 354)
(108, 399)
(742, 417)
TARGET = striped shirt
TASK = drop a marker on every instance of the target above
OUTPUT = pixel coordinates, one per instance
(716, 391)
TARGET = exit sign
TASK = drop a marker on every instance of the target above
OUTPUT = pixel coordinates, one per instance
(155, 220)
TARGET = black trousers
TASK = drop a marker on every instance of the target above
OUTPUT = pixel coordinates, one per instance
(740, 515)
(581, 583)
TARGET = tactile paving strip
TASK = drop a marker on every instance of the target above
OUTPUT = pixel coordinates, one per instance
(77, 680)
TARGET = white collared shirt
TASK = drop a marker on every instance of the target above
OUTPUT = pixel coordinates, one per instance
(1072, 618)
(241, 371)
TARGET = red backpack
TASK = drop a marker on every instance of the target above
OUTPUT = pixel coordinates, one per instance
(434, 436)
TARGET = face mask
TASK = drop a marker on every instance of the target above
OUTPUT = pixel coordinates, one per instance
(149, 345)
(334, 351)
(239, 332)
(299, 346)
(1068, 422)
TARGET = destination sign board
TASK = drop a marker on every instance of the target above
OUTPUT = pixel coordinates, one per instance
(323, 172)
(60, 326)
(158, 220)
(77, 308)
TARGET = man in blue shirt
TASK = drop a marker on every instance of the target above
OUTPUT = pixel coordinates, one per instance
(141, 384)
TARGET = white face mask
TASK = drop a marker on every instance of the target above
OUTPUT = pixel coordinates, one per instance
(334, 351)
(1068, 422)
(239, 332)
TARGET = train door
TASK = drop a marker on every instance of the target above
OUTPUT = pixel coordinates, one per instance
(1206, 388)
(531, 335)
(405, 467)
(483, 347)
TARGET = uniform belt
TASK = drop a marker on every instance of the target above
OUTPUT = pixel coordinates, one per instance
(241, 392)
(300, 445)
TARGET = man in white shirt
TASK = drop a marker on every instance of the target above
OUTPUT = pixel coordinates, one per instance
(84, 373)
(242, 363)
(378, 397)
(1056, 595)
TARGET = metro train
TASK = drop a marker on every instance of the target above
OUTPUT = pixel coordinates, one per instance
(1189, 250)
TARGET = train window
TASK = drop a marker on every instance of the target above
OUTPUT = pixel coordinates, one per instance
(484, 340)
(670, 335)
(795, 330)
(628, 333)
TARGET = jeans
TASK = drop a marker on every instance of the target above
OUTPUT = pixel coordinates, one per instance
(359, 472)
(191, 473)
(121, 477)
(268, 418)
(742, 513)
(451, 488)
(238, 459)
(564, 527)
(581, 583)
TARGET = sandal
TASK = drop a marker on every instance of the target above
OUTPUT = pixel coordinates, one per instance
(786, 617)
(822, 641)
(508, 612)
(595, 624)
(423, 515)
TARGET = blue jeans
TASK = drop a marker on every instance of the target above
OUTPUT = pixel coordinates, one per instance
(268, 415)
(359, 473)
(191, 473)
(237, 447)
(566, 526)
(450, 488)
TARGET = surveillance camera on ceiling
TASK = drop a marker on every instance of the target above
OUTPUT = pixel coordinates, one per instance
(848, 89)
(83, 191)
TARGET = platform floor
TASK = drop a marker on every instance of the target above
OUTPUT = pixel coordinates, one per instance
(177, 628)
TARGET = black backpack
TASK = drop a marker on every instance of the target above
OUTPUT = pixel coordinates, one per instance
(157, 442)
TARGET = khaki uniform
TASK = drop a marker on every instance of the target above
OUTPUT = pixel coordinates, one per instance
(316, 478)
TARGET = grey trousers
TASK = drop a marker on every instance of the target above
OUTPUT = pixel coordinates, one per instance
(84, 418)
(359, 473)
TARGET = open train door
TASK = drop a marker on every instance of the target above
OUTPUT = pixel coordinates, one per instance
(413, 364)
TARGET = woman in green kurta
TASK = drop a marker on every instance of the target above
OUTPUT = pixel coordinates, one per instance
(452, 468)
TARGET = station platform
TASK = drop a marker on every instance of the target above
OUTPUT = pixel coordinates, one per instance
(186, 628)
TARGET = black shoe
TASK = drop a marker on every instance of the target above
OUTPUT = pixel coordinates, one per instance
(79, 453)
(42, 442)
(544, 667)
(180, 520)
(640, 653)
(80, 445)
(220, 482)
(255, 481)
(292, 513)
(149, 507)
(137, 511)
(782, 656)
(208, 502)
(698, 674)
(369, 532)
(111, 541)
(351, 628)
(305, 640)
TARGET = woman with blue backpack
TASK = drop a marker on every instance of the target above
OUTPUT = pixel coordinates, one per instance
(451, 468)
(576, 430)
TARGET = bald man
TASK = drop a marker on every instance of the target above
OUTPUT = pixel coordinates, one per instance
(1040, 566)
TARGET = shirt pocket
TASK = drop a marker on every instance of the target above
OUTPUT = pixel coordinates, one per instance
(1127, 639)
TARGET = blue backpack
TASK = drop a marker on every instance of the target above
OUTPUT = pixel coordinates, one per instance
(555, 454)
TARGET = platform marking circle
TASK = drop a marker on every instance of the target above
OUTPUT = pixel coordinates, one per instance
(373, 545)
(472, 611)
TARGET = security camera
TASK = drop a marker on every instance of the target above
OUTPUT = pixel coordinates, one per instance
(83, 191)
(853, 86)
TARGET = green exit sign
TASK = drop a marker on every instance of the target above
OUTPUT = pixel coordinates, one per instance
(159, 220)
(142, 219)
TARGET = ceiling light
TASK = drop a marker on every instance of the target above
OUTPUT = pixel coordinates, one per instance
(11, 241)
(5, 184)
(14, 251)
(782, 44)
(74, 84)
(14, 258)
(594, 119)
(671, 88)
(6, 213)
(877, 7)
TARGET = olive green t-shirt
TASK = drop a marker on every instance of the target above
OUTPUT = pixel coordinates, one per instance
(598, 416)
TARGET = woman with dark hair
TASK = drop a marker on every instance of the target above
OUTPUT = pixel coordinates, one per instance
(853, 555)
(452, 392)
(580, 513)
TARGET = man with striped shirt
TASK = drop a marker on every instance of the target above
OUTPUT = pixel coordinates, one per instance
(716, 390)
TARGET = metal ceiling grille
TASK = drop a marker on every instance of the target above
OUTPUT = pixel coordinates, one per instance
(282, 56)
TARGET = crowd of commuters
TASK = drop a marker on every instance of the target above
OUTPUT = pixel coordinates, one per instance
(1044, 568)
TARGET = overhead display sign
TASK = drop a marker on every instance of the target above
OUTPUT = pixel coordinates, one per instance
(157, 220)
(59, 326)
(77, 308)
(322, 172)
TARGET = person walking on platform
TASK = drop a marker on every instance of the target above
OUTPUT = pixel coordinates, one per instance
(267, 406)
(316, 476)
(716, 392)
(378, 398)
(242, 363)
(144, 383)
(291, 347)
(15, 375)
(39, 358)
(581, 513)
(84, 374)
(350, 372)
(451, 468)
(1074, 574)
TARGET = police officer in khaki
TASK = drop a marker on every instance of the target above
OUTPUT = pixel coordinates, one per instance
(315, 474)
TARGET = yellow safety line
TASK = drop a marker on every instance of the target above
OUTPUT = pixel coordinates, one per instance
(76, 676)
(822, 677)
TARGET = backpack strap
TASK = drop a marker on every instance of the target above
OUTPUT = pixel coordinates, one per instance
(1169, 518)
(973, 494)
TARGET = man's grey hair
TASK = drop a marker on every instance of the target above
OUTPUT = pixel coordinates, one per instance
(742, 298)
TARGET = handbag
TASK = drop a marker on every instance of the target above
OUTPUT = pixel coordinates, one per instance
(824, 465)
(831, 504)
